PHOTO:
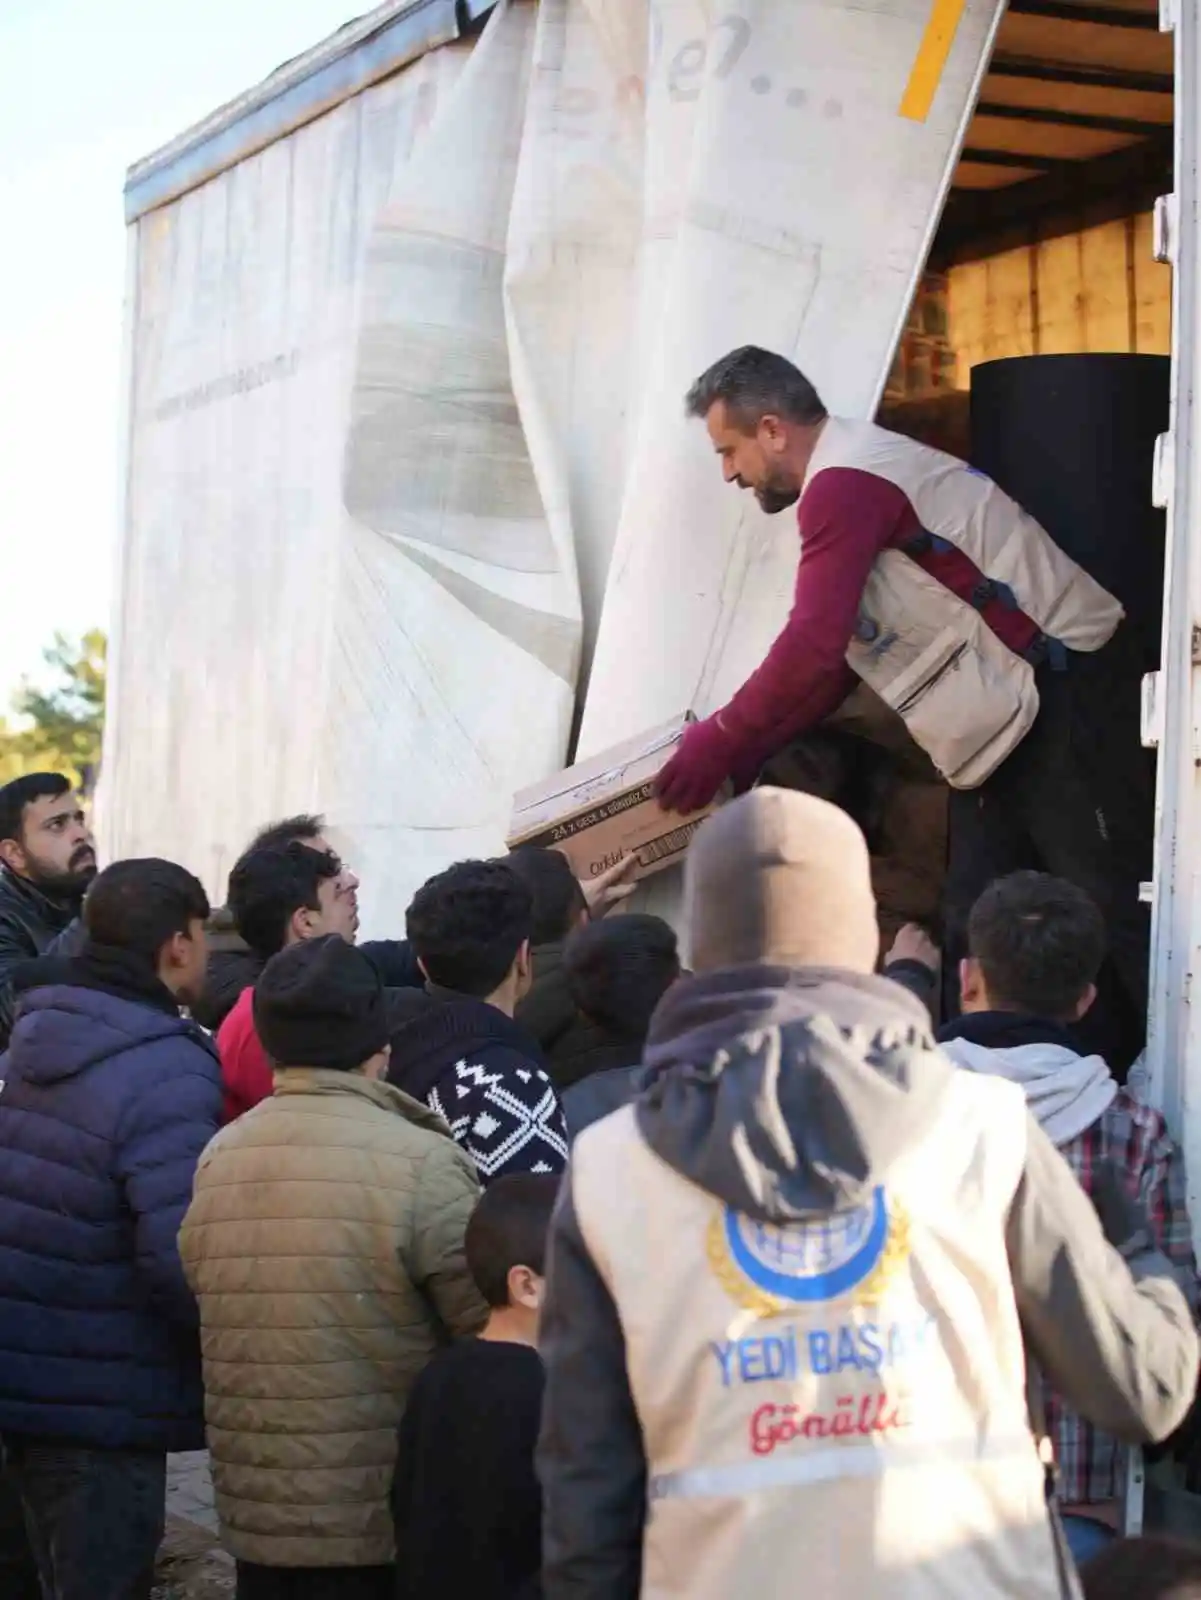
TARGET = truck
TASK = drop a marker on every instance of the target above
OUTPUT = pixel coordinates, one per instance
(412, 513)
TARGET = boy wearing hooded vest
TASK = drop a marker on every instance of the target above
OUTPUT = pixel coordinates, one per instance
(1004, 659)
(1036, 945)
(789, 1289)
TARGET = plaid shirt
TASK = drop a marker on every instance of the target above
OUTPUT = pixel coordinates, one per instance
(1134, 1139)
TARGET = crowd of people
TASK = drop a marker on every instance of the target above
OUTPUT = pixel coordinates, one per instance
(539, 1253)
(816, 1301)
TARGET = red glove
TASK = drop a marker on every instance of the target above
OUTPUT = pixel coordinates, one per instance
(706, 758)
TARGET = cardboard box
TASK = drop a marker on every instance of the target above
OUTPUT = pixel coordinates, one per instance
(600, 811)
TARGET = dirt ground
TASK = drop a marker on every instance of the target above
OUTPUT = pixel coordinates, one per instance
(192, 1565)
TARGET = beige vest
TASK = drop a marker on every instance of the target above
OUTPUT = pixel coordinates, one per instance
(836, 1408)
(965, 697)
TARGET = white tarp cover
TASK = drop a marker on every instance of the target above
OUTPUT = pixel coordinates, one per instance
(407, 442)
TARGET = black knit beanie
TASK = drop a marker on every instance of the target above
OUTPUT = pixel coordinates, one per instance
(320, 1004)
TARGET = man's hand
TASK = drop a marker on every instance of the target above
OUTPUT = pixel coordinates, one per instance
(610, 888)
(913, 943)
(704, 761)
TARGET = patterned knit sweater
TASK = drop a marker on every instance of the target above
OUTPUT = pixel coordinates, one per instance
(485, 1075)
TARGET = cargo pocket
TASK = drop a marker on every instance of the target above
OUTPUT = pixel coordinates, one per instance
(967, 704)
(906, 693)
(965, 698)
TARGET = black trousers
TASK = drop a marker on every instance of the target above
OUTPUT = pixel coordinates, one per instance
(95, 1517)
(1076, 799)
(315, 1583)
(18, 1570)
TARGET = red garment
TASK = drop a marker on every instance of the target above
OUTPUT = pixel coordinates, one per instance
(846, 517)
(246, 1074)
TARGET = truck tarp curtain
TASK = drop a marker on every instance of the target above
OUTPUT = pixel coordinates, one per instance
(410, 480)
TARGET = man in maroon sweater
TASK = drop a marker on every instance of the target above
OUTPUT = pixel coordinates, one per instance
(1007, 662)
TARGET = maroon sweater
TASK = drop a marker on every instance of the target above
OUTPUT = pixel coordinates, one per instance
(845, 518)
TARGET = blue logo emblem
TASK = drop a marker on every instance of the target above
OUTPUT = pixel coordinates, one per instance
(769, 1268)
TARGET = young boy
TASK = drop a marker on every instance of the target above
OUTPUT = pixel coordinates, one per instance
(1036, 945)
(465, 1502)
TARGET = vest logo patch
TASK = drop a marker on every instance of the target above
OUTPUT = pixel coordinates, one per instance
(768, 1268)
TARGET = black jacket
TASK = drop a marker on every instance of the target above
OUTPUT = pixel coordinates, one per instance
(548, 1012)
(233, 966)
(466, 1503)
(607, 1074)
(31, 924)
(484, 1075)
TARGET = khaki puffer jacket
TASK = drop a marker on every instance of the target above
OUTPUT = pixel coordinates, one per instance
(324, 1244)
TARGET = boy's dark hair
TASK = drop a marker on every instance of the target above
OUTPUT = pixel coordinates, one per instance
(268, 885)
(292, 830)
(753, 384)
(22, 792)
(559, 901)
(467, 924)
(1040, 942)
(618, 971)
(508, 1229)
(139, 905)
(1144, 1569)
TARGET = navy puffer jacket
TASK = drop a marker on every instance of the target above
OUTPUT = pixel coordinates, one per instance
(105, 1106)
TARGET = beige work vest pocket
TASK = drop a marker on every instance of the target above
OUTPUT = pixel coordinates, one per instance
(965, 697)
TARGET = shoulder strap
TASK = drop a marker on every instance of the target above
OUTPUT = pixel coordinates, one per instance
(1069, 1580)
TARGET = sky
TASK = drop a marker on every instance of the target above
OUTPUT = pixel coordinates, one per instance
(86, 88)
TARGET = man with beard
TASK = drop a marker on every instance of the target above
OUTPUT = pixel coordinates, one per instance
(1006, 661)
(47, 861)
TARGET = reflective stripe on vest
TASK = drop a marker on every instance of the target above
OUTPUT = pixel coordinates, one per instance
(823, 1466)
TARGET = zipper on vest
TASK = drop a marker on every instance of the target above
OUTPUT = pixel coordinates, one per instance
(915, 695)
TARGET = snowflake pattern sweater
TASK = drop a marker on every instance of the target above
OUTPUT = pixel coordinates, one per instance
(485, 1075)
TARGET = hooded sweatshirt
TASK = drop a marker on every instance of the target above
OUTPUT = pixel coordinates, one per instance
(788, 1289)
(484, 1075)
(1067, 1092)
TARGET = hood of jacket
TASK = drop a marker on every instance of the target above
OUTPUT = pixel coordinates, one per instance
(1066, 1092)
(434, 1029)
(548, 1011)
(788, 1093)
(66, 1028)
(232, 967)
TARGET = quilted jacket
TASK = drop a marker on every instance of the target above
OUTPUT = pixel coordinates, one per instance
(325, 1246)
(105, 1106)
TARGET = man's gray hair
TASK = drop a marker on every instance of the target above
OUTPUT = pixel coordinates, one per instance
(753, 384)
